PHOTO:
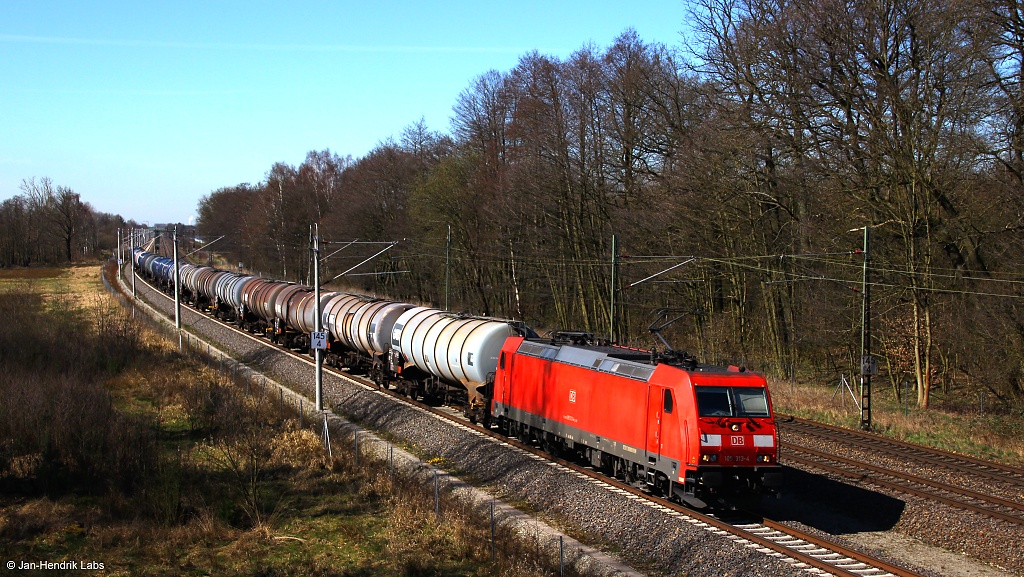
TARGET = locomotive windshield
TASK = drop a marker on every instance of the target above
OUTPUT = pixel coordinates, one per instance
(731, 402)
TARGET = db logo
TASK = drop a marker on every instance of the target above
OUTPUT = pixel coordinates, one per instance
(572, 395)
(736, 440)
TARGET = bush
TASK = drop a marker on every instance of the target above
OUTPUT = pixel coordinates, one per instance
(59, 427)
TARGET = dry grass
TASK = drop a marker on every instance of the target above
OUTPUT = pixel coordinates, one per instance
(9, 274)
(75, 287)
(298, 449)
(35, 517)
(230, 489)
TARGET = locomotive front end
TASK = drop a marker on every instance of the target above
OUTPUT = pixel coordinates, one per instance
(737, 453)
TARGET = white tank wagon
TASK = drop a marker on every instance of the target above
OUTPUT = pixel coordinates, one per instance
(370, 333)
(360, 329)
(224, 286)
(302, 316)
(445, 355)
(229, 295)
(187, 273)
(337, 315)
(375, 324)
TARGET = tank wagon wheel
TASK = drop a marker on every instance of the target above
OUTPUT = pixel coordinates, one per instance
(405, 387)
(377, 376)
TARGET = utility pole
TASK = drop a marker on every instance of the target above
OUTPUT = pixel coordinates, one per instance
(132, 256)
(177, 300)
(318, 353)
(868, 366)
(611, 299)
(447, 264)
(120, 258)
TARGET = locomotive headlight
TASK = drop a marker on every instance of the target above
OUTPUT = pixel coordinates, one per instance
(735, 427)
(712, 458)
(764, 458)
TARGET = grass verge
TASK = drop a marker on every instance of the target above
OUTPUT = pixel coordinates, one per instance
(995, 435)
(120, 452)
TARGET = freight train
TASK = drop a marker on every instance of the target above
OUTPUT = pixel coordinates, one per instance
(701, 434)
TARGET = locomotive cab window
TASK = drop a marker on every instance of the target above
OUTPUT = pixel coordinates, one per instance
(731, 401)
(668, 401)
(501, 361)
(714, 401)
(750, 402)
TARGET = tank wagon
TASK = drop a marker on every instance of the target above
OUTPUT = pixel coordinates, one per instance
(194, 280)
(432, 348)
(425, 353)
(227, 289)
(697, 433)
(360, 329)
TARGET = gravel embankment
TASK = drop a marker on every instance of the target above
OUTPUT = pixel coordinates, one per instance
(981, 484)
(863, 507)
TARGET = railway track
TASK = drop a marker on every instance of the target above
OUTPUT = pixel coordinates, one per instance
(802, 549)
(995, 507)
(955, 462)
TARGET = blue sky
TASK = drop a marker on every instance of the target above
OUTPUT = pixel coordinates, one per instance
(144, 107)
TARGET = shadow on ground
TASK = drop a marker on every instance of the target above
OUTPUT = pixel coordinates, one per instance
(837, 508)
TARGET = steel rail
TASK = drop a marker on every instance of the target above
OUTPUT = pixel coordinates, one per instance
(968, 493)
(940, 457)
(859, 476)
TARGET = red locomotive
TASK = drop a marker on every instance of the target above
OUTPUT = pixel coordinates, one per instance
(701, 434)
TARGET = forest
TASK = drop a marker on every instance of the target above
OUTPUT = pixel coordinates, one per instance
(50, 224)
(724, 184)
